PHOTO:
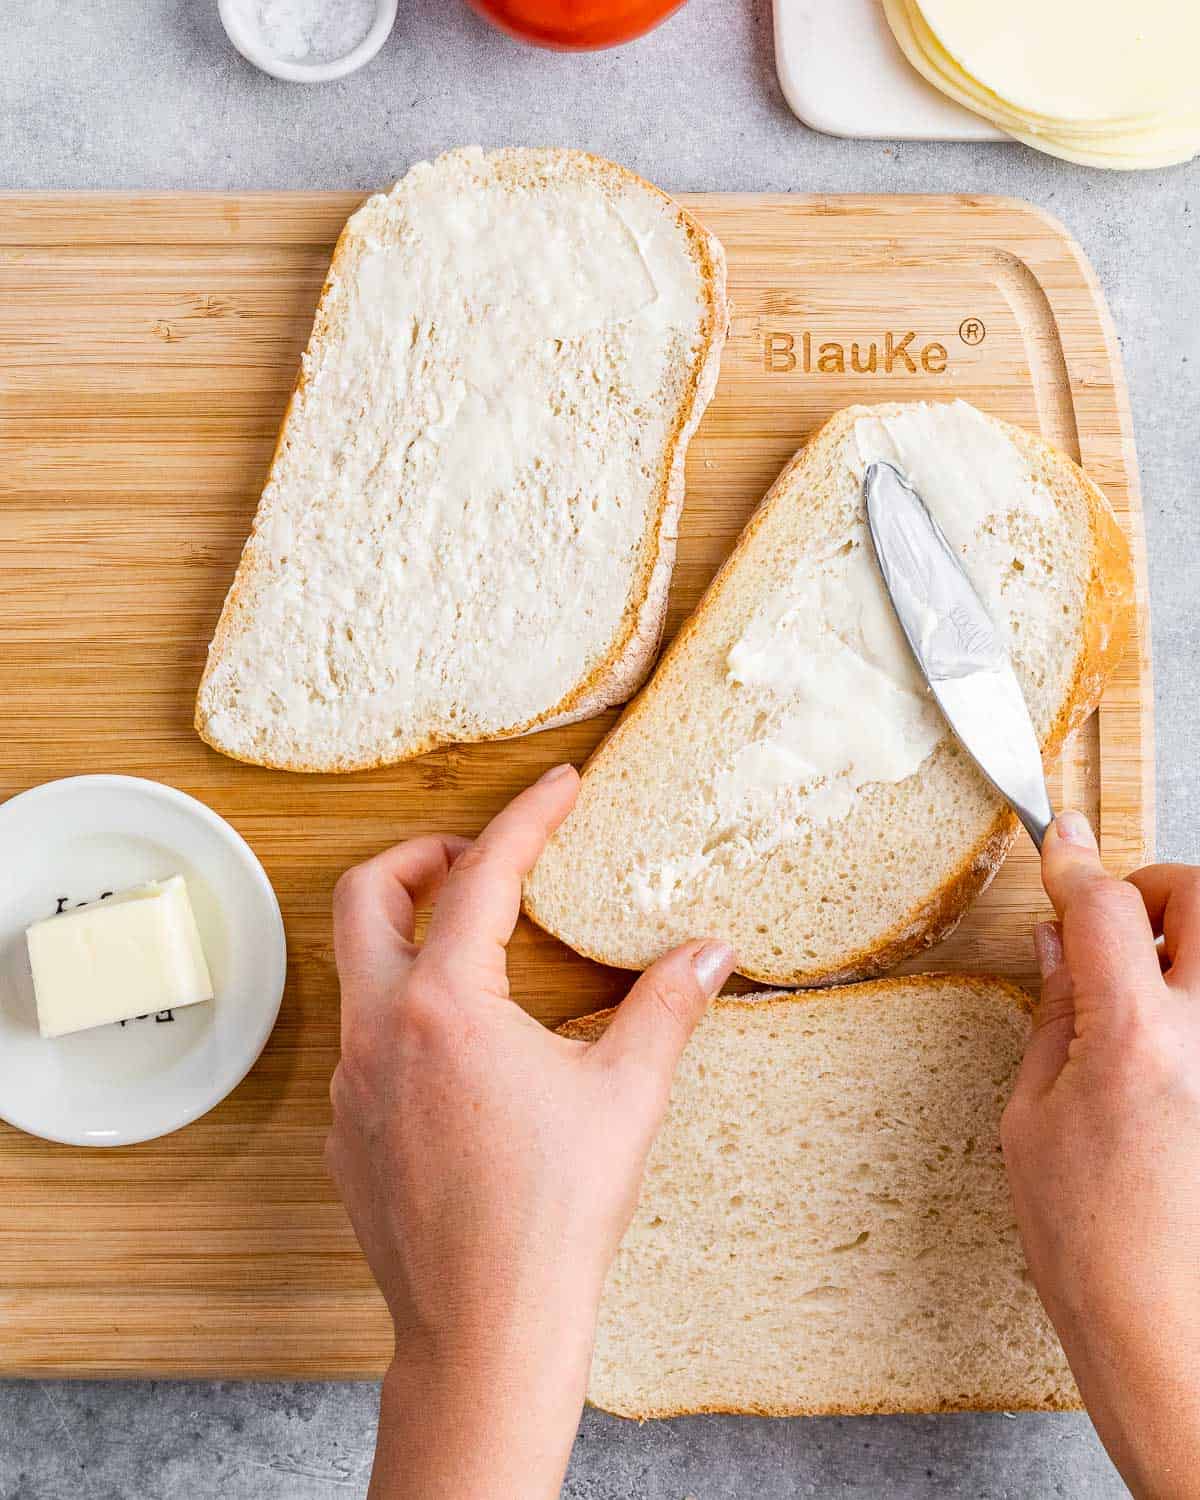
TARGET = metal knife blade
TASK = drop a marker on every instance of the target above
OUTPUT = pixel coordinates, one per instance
(956, 645)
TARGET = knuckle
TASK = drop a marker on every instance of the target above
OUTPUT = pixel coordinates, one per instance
(424, 1005)
(1116, 900)
(1148, 1045)
(432, 1022)
(349, 887)
(1053, 1008)
(473, 859)
(1013, 1125)
(465, 968)
(339, 1090)
(1175, 874)
(349, 1085)
(673, 1000)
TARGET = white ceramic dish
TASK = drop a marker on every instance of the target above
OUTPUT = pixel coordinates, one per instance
(244, 34)
(842, 73)
(115, 1085)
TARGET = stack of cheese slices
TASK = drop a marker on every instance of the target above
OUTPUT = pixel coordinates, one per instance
(1103, 82)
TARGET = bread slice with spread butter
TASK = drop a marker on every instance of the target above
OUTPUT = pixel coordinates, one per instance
(825, 1225)
(468, 528)
(785, 781)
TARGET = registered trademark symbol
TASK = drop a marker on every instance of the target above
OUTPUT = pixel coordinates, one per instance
(972, 331)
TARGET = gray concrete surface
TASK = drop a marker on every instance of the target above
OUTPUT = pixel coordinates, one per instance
(148, 94)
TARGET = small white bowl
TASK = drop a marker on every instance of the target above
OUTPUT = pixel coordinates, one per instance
(246, 37)
(116, 1085)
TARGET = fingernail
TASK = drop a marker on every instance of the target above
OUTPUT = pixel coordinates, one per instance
(712, 965)
(1074, 828)
(556, 773)
(1047, 945)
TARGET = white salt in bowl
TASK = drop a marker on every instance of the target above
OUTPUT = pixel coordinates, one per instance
(259, 43)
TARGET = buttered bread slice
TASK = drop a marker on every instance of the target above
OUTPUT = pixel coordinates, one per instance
(468, 529)
(785, 781)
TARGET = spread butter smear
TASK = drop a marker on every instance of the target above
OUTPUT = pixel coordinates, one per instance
(784, 780)
(841, 703)
(469, 507)
(552, 288)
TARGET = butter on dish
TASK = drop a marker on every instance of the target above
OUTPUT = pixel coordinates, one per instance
(135, 953)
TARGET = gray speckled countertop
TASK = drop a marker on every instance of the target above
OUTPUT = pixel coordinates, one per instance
(149, 94)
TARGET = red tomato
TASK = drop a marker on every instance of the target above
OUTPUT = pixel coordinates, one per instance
(576, 24)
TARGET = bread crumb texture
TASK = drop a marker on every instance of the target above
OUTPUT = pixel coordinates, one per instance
(468, 526)
(825, 1224)
(785, 781)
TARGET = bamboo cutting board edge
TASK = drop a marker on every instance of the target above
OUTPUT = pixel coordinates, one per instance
(269, 1282)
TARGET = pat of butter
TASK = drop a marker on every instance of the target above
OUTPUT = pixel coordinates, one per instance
(132, 954)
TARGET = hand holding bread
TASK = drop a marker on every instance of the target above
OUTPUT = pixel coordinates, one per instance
(465, 1142)
(489, 1166)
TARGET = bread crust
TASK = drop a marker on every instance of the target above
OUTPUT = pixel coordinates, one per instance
(987, 986)
(837, 1409)
(632, 651)
(591, 1027)
(1107, 616)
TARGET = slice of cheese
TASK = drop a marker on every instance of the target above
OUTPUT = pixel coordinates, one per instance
(133, 954)
(1148, 136)
(984, 97)
(1076, 60)
(1165, 132)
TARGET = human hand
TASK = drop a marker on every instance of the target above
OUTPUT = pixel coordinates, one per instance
(1102, 1142)
(489, 1167)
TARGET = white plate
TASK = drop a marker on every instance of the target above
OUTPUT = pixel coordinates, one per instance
(73, 840)
(842, 72)
(238, 19)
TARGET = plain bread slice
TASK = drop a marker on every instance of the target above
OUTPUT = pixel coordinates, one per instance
(825, 1225)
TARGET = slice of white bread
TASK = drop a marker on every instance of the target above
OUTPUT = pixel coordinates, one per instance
(468, 528)
(825, 1224)
(784, 781)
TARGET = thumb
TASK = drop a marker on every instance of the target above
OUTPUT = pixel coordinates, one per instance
(655, 1021)
(1108, 943)
(1071, 867)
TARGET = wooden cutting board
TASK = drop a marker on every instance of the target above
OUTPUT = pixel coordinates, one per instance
(147, 349)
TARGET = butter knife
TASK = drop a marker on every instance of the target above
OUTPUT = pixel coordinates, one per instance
(956, 645)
